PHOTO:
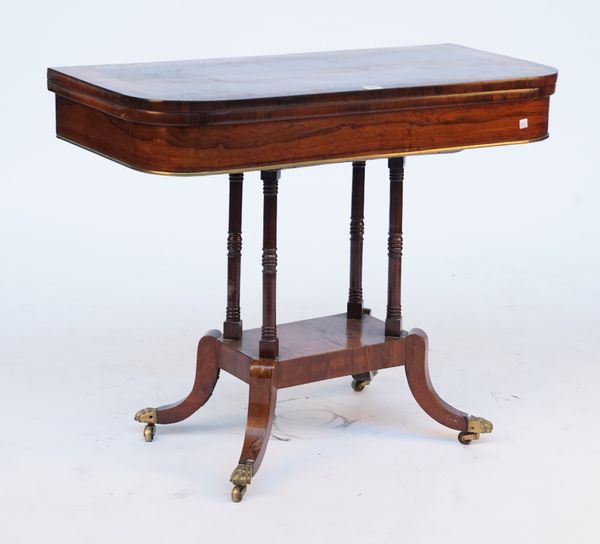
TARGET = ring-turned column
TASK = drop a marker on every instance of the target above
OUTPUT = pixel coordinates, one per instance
(393, 320)
(269, 343)
(232, 327)
(357, 229)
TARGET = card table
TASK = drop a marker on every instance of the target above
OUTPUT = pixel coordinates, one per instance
(271, 113)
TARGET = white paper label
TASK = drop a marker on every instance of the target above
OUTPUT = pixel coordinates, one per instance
(372, 87)
(523, 123)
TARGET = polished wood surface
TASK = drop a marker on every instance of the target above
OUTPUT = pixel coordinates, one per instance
(319, 349)
(207, 374)
(275, 144)
(262, 398)
(268, 113)
(419, 381)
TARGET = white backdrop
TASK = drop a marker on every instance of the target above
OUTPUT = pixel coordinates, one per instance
(109, 277)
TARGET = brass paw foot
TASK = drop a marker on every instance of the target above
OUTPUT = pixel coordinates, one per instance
(241, 478)
(147, 416)
(475, 427)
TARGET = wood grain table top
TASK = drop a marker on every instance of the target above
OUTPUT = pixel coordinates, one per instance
(415, 69)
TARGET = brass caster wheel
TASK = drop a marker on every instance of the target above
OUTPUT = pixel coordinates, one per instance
(466, 438)
(149, 431)
(359, 385)
(238, 492)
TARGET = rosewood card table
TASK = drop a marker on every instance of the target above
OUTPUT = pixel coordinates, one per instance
(271, 113)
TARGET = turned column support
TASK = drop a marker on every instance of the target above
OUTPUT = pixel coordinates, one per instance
(393, 320)
(357, 230)
(232, 327)
(269, 343)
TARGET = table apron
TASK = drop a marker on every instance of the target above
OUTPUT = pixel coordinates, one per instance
(279, 144)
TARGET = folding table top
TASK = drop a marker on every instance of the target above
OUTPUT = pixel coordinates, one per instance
(418, 70)
(305, 90)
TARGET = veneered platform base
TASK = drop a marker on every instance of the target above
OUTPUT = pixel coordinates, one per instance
(318, 349)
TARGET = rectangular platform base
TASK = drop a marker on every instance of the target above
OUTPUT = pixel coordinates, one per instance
(318, 349)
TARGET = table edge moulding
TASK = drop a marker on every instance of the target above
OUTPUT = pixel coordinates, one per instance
(274, 112)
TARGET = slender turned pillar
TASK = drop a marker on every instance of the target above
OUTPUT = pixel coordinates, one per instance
(393, 320)
(269, 343)
(232, 327)
(357, 230)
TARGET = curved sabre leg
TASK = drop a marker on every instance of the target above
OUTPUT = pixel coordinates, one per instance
(261, 411)
(419, 381)
(207, 374)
